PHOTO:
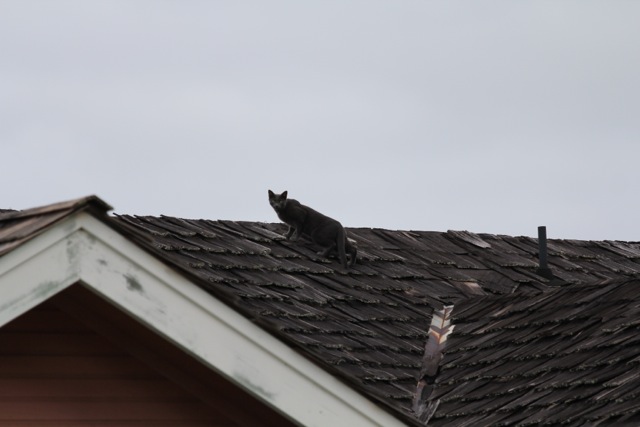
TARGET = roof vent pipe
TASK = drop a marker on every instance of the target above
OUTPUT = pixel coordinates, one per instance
(543, 266)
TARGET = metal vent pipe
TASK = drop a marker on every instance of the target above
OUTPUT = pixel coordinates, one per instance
(543, 265)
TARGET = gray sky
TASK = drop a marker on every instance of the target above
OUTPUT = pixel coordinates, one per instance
(492, 116)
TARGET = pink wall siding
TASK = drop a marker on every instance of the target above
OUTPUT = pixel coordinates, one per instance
(54, 371)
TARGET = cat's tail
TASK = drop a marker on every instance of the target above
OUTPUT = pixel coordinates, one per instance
(341, 243)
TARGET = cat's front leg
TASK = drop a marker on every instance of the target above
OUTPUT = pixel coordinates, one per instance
(289, 232)
(295, 233)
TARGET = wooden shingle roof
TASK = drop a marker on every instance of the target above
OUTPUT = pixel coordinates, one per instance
(18, 226)
(368, 324)
(568, 356)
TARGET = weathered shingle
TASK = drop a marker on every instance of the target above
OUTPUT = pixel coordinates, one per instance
(16, 227)
(569, 355)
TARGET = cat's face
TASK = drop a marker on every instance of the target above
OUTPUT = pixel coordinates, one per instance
(277, 201)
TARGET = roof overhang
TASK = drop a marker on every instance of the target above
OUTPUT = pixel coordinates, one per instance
(83, 249)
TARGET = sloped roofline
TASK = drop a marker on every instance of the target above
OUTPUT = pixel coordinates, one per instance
(83, 248)
(83, 203)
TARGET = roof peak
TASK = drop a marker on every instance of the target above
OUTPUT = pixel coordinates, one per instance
(91, 201)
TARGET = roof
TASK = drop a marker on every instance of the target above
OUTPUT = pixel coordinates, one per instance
(16, 227)
(368, 325)
(569, 356)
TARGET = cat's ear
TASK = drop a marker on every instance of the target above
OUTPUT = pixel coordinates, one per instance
(271, 194)
(284, 195)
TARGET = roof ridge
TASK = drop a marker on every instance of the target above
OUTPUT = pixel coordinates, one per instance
(91, 201)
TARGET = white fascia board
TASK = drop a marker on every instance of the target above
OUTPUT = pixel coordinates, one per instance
(82, 248)
(38, 269)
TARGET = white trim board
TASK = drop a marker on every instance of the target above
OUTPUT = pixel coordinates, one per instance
(83, 249)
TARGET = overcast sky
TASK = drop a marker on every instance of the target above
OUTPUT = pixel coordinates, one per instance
(487, 116)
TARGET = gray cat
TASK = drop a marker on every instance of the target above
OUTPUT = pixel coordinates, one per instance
(322, 230)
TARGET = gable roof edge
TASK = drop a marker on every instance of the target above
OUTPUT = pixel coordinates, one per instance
(83, 248)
